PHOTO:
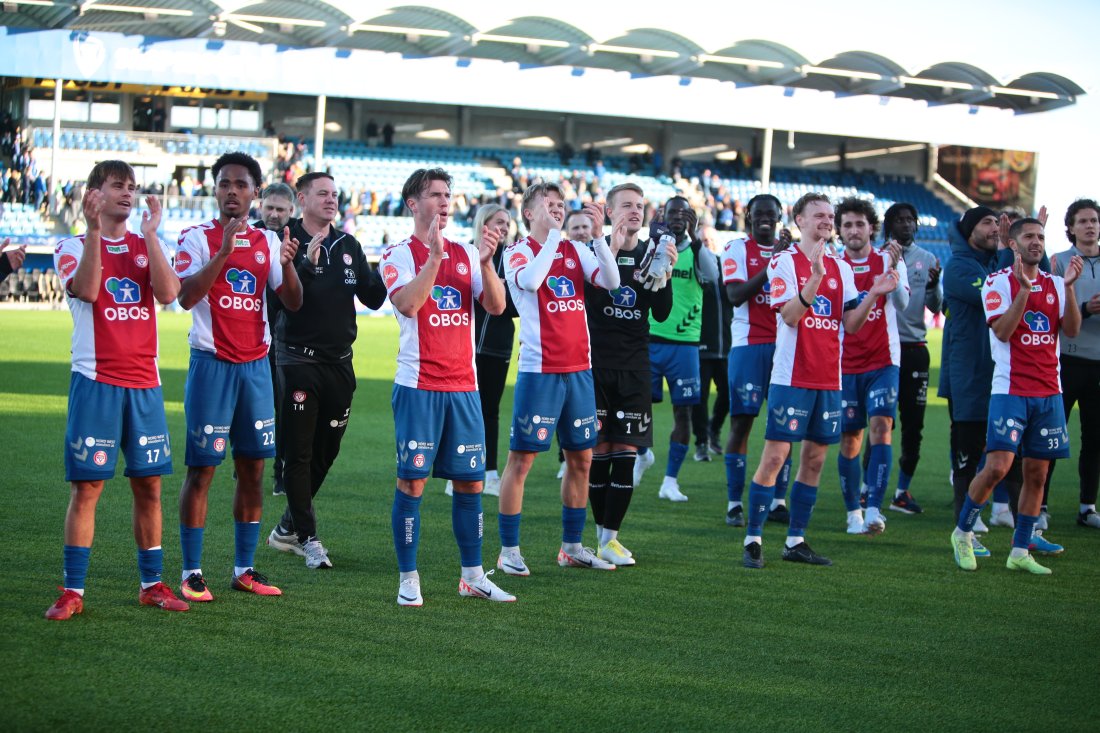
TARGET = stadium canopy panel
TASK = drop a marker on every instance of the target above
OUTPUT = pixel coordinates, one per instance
(421, 31)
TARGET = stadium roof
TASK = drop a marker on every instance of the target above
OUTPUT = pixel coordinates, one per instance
(422, 31)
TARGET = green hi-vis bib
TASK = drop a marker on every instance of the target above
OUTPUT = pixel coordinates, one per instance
(685, 321)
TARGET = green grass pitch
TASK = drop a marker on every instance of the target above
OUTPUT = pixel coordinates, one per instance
(892, 637)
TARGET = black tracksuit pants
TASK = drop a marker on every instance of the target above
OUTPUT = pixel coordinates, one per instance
(1081, 386)
(492, 372)
(912, 401)
(704, 422)
(314, 405)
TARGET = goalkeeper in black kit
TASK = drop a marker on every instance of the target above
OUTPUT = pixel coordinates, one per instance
(618, 322)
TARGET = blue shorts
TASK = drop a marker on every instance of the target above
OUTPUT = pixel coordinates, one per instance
(545, 403)
(1034, 426)
(441, 433)
(103, 418)
(679, 365)
(750, 373)
(873, 393)
(223, 400)
(796, 414)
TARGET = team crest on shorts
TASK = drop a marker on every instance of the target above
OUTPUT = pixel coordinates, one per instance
(543, 433)
(100, 457)
(418, 460)
(1014, 435)
(299, 396)
(794, 424)
(143, 261)
(347, 259)
(260, 258)
(219, 444)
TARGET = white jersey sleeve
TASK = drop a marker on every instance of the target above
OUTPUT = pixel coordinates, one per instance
(733, 262)
(517, 258)
(589, 264)
(477, 286)
(1060, 288)
(66, 258)
(398, 268)
(275, 271)
(848, 281)
(193, 252)
(996, 295)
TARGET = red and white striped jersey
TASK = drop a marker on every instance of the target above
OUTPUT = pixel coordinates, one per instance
(114, 338)
(1027, 365)
(753, 320)
(807, 355)
(231, 321)
(553, 329)
(437, 345)
(876, 344)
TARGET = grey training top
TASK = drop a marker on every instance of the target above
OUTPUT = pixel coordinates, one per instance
(918, 262)
(1087, 343)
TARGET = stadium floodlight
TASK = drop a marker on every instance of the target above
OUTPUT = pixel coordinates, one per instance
(737, 61)
(518, 40)
(637, 148)
(271, 20)
(541, 141)
(632, 51)
(11, 6)
(846, 73)
(727, 155)
(397, 30)
(703, 150)
(437, 134)
(608, 143)
(146, 11)
(872, 153)
(916, 80)
(1024, 93)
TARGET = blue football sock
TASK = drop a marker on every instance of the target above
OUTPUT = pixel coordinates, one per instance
(572, 524)
(903, 481)
(191, 546)
(878, 473)
(75, 566)
(246, 535)
(1025, 528)
(508, 524)
(405, 520)
(467, 522)
(969, 514)
(849, 480)
(643, 450)
(676, 454)
(735, 476)
(760, 500)
(150, 564)
(1000, 493)
(803, 498)
(783, 480)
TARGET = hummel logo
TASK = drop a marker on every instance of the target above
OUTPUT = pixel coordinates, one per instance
(778, 411)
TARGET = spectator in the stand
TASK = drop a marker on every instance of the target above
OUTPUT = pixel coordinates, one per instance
(714, 346)
(11, 260)
(387, 135)
(372, 133)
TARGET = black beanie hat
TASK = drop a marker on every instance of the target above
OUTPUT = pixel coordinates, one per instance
(971, 218)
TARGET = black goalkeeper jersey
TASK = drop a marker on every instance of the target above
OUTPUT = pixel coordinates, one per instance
(618, 320)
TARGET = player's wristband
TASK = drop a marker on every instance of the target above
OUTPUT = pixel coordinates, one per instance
(802, 300)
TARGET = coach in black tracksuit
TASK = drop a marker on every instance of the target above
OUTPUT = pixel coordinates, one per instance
(316, 379)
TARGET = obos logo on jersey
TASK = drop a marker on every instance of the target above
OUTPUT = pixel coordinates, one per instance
(448, 299)
(992, 300)
(822, 306)
(243, 283)
(624, 297)
(562, 287)
(1039, 326)
(822, 318)
(127, 295)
